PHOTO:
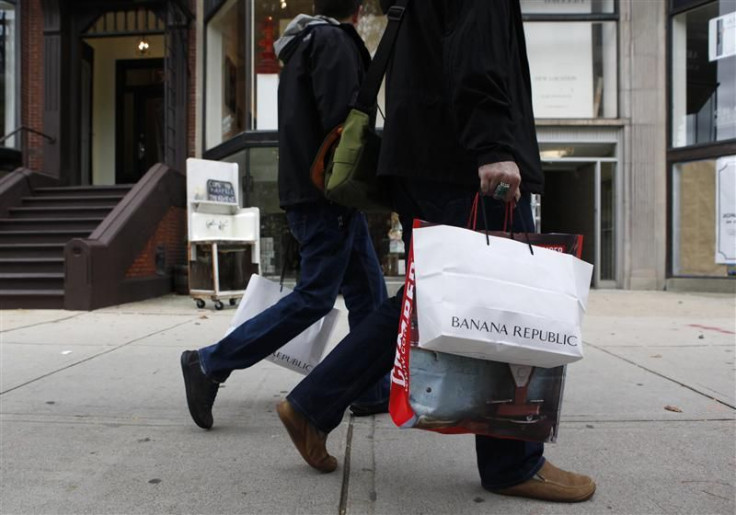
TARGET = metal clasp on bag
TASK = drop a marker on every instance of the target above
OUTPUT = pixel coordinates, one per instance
(395, 13)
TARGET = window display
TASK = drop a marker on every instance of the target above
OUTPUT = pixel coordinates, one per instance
(573, 67)
(270, 19)
(225, 88)
(695, 219)
(573, 57)
(704, 74)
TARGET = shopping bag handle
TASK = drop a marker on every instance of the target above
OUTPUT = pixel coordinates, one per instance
(508, 218)
(507, 222)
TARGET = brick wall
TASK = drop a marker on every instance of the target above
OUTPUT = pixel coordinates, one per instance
(171, 235)
(32, 78)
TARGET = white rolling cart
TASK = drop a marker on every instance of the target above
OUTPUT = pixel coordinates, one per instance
(224, 238)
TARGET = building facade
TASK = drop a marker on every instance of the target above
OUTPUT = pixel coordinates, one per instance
(635, 104)
(84, 80)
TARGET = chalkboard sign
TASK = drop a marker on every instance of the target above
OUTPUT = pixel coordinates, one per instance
(220, 191)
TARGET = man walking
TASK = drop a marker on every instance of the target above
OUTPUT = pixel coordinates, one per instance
(459, 117)
(324, 63)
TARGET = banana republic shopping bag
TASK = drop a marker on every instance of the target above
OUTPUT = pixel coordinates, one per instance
(302, 353)
(495, 298)
(450, 393)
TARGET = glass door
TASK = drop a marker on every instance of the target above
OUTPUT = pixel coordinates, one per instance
(580, 198)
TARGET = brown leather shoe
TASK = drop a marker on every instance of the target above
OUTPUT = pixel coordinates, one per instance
(309, 441)
(553, 484)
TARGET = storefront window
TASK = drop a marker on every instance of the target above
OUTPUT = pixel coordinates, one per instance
(225, 85)
(704, 217)
(259, 165)
(270, 21)
(573, 67)
(242, 71)
(572, 48)
(371, 24)
(704, 74)
(258, 180)
(262, 191)
(7, 71)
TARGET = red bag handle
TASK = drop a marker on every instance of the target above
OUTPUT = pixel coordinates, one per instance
(473, 219)
(508, 219)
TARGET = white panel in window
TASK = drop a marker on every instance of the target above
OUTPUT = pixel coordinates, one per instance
(561, 66)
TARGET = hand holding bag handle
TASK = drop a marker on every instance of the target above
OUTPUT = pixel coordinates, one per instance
(508, 221)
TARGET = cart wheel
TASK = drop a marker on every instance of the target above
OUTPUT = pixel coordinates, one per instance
(219, 305)
(200, 303)
(233, 301)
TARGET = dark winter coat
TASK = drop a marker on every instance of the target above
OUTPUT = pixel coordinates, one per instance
(323, 68)
(459, 94)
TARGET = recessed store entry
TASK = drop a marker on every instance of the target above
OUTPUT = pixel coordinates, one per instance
(139, 134)
(568, 204)
(580, 199)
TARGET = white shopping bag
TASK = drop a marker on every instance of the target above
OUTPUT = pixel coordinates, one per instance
(302, 353)
(497, 301)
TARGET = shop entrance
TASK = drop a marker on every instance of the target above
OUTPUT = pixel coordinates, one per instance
(569, 203)
(139, 135)
(580, 198)
(122, 99)
(128, 71)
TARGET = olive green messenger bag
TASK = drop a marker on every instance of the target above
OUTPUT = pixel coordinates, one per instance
(345, 167)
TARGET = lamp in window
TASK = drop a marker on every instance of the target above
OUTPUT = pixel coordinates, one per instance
(143, 47)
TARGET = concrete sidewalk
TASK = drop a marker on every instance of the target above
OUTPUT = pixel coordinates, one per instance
(93, 420)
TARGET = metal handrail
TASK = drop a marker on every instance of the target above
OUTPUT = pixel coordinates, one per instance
(28, 129)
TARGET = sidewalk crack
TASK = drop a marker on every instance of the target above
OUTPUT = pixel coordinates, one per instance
(90, 358)
(36, 324)
(344, 493)
(632, 362)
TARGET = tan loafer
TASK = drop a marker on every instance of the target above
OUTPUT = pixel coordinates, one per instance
(553, 484)
(309, 441)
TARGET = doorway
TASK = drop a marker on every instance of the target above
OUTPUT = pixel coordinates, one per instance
(580, 198)
(569, 203)
(139, 131)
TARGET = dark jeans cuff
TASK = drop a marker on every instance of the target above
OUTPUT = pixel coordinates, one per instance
(212, 377)
(369, 404)
(295, 404)
(525, 476)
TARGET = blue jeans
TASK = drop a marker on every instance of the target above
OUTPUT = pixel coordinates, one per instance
(336, 255)
(367, 353)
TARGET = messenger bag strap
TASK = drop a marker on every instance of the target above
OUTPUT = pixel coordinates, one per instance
(368, 92)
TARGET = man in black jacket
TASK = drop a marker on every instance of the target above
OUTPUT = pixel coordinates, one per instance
(324, 63)
(459, 117)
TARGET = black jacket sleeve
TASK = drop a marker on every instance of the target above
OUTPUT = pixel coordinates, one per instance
(477, 63)
(336, 70)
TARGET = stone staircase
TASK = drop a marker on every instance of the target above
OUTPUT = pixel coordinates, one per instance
(33, 236)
